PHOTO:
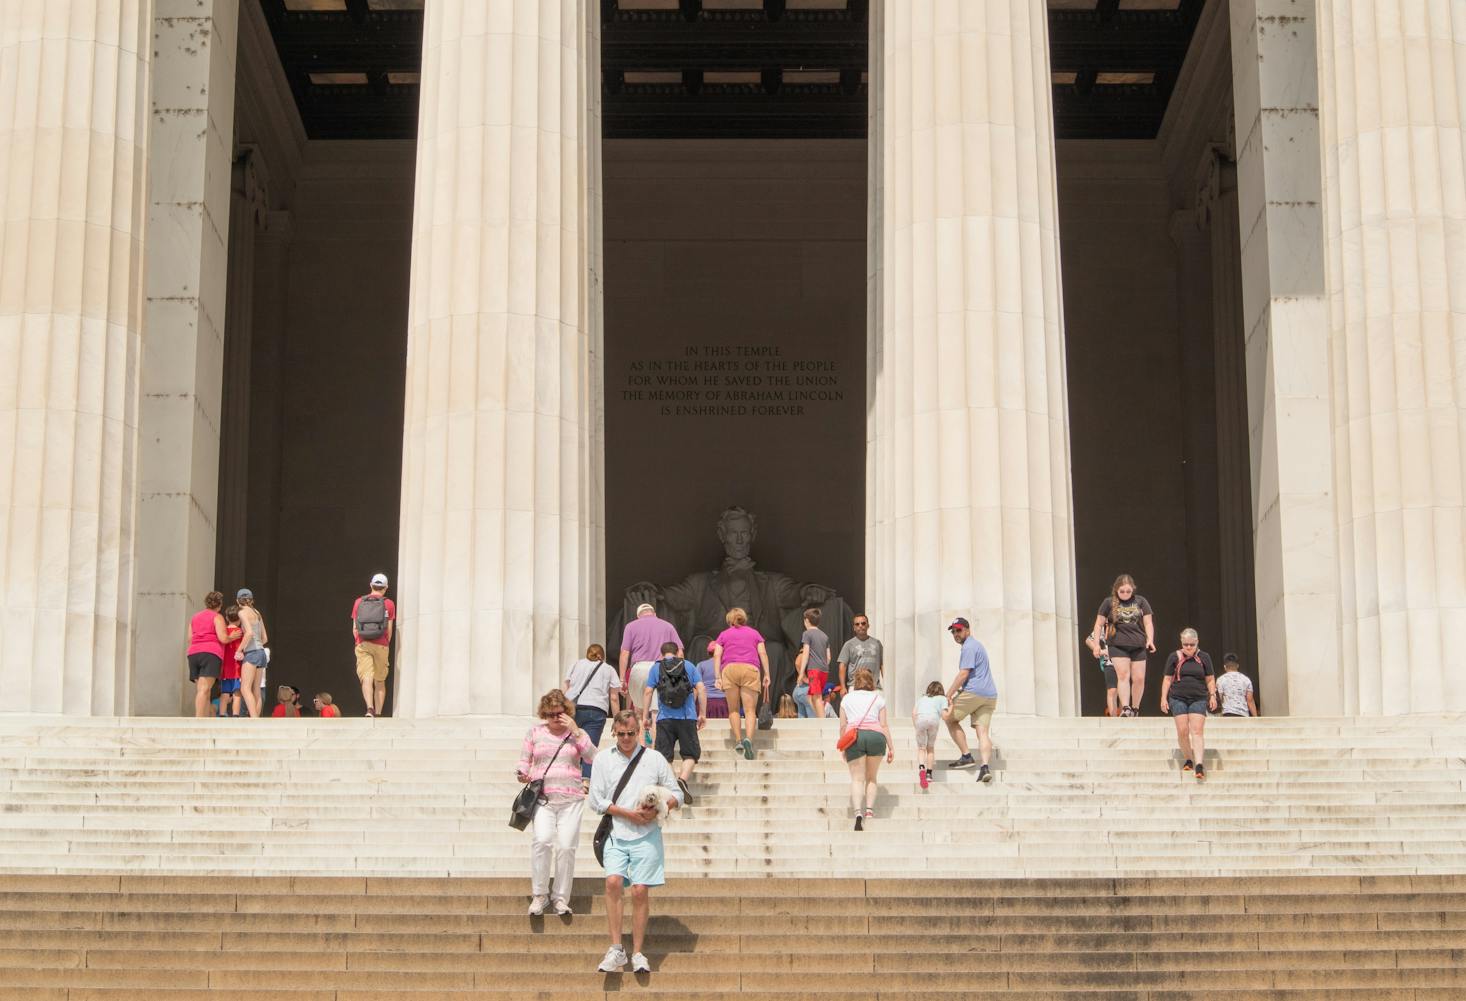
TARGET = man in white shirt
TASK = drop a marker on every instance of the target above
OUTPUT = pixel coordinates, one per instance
(633, 852)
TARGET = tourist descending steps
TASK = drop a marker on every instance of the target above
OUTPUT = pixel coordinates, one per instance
(1187, 691)
(741, 662)
(865, 710)
(1235, 689)
(207, 637)
(633, 852)
(927, 718)
(373, 617)
(973, 693)
(1125, 627)
(595, 691)
(553, 752)
(677, 686)
(861, 650)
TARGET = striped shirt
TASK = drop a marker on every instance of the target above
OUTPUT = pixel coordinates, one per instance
(562, 781)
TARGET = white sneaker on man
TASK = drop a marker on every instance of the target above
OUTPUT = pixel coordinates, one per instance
(562, 907)
(537, 906)
(639, 964)
(614, 961)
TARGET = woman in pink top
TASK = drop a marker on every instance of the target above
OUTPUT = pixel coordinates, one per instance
(553, 751)
(207, 636)
(740, 661)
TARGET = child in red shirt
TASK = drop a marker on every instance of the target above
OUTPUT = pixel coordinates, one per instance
(324, 707)
(229, 697)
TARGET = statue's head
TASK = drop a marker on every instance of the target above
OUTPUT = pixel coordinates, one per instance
(736, 530)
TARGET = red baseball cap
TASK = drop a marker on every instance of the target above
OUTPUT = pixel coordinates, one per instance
(958, 623)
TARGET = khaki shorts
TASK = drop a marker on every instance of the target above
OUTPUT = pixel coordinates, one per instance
(740, 678)
(980, 709)
(371, 661)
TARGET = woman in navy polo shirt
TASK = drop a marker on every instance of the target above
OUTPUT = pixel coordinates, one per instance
(1188, 690)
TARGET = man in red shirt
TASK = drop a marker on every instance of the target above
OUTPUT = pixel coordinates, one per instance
(372, 618)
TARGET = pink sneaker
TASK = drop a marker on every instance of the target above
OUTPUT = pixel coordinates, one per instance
(923, 779)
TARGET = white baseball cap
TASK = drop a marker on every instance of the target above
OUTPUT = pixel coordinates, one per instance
(379, 580)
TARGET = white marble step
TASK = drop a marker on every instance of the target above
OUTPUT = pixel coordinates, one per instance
(430, 797)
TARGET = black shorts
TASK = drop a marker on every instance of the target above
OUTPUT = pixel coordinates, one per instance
(678, 733)
(1127, 652)
(203, 665)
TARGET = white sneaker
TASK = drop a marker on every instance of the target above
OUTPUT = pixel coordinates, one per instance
(639, 964)
(562, 907)
(537, 906)
(615, 959)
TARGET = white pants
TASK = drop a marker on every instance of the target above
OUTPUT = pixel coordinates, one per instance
(556, 833)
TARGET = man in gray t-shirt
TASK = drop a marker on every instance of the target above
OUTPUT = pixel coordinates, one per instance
(861, 650)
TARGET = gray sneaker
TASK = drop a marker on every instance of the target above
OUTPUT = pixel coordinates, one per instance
(614, 961)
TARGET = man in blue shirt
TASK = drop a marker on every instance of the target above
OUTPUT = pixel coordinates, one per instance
(677, 726)
(972, 693)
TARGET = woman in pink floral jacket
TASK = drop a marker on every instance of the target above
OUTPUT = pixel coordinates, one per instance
(553, 751)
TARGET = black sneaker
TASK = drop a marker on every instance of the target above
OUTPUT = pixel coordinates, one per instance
(963, 762)
(859, 822)
(984, 774)
(686, 792)
(1187, 767)
(1201, 773)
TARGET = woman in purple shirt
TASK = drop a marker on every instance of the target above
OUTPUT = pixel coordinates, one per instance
(741, 662)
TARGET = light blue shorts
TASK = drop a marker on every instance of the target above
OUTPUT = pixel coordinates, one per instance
(640, 862)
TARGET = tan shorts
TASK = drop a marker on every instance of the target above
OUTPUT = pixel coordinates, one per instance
(980, 709)
(371, 661)
(739, 678)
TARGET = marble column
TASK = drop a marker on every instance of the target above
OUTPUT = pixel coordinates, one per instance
(190, 143)
(248, 209)
(73, 121)
(499, 579)
(1285, 316)
(1237, 611)
(968, 509)
(1392, 78)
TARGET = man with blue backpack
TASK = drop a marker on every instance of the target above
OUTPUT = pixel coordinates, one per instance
(684, 711)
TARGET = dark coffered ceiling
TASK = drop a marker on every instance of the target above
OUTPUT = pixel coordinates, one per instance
(730, 68)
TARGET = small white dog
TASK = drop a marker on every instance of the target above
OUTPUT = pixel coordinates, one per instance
(658, 798)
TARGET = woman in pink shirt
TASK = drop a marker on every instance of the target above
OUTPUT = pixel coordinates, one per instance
(553, 751)
(207, 636)
(740, 662)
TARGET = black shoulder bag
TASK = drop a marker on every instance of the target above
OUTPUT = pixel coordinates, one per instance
(522, 810)
(603, 829)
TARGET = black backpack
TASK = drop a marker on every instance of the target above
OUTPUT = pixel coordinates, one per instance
(371, 617)
(673, 685)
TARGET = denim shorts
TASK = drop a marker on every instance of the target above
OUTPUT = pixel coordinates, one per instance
(1180, 707)
(256, 657)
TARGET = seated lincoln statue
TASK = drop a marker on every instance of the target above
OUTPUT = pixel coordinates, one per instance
(775, 603)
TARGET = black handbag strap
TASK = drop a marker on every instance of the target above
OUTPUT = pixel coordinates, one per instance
(626, 777)
(592, 677)
(556, 755)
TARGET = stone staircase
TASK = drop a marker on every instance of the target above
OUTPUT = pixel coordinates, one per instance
(1282, 938)
(1081, 798)
(361, 860)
